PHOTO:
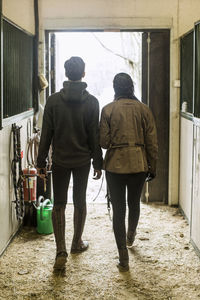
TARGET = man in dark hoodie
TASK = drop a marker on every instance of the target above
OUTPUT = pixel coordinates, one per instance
(71, 125)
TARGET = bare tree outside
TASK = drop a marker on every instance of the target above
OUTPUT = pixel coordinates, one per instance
(130, 53)
(105, 55)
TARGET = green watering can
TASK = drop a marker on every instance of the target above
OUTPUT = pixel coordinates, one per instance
(44, 216)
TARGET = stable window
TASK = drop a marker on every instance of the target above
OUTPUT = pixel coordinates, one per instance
(187, 50)
(197, 72)
(17, 72)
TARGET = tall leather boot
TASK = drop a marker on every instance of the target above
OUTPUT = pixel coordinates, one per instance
(123, 264)
(78, 245)
(58, 219)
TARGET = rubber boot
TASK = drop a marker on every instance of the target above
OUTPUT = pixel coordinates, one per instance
(78, 245)
(123, 265)
(58, 219)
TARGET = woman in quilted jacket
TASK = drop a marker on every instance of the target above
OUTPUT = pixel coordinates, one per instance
(128, 132)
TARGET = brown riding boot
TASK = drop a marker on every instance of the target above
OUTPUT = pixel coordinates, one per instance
(78, 245)
(123, 265)
(58, 219)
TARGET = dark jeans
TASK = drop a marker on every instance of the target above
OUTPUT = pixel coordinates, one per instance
(117, 184)
(61, 179)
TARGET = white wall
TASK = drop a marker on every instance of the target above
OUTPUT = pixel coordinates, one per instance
(8, 220)
(188, 13)
(20, 12)
(195, 220)
(111, 9)
(186, 160)
(177, 15)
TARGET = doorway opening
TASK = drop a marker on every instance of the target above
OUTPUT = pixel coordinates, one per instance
(105, 54)
(144, 55)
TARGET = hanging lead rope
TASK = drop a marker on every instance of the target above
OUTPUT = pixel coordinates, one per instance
(108, 203)
(102, 180)
(108, 192)
(106, 196)
(16, 168)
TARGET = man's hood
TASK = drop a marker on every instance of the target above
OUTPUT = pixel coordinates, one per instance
(74, 91)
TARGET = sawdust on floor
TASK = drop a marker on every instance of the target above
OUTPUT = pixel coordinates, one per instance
(163, 264)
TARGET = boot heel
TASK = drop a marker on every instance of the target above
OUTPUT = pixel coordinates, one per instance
(123, 265)
(123, 268)
(60, 261)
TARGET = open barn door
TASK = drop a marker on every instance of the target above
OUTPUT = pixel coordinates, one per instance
(155, 93)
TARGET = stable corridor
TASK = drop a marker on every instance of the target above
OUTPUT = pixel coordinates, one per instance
(163, 264)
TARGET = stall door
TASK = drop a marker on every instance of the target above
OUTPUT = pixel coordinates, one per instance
(155, 93)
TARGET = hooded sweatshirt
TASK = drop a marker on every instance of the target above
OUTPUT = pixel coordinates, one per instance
(71, 124)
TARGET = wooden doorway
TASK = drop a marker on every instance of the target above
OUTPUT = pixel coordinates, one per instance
(155, 93)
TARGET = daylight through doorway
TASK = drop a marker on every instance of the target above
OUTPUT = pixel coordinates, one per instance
(105, 55)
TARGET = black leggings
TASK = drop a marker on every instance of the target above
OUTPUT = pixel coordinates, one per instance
(117, 184)
(61, 178)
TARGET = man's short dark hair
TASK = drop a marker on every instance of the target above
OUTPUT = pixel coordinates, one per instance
(74, 68)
